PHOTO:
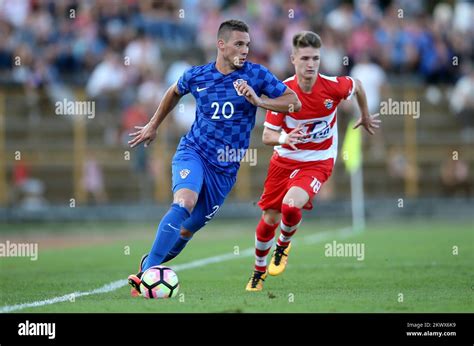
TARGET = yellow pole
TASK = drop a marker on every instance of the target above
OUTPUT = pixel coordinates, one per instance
(3, 166)
(79, 149)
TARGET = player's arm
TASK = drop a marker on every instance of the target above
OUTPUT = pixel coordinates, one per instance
(147, 133)
(366, 120)
(287, 102)
(273, 137)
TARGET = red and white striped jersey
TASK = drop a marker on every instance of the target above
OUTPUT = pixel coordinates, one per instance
(318, 117)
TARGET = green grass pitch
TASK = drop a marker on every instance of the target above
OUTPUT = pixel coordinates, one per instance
(407, 267)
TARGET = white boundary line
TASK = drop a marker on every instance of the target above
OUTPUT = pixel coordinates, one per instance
(112, 286)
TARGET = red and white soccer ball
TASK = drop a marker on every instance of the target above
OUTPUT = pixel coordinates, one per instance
(159, 282)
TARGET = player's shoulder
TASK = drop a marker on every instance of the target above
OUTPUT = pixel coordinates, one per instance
(328, 79)
(199, 69)
(256, 69)
(290, 81)
(334, 82)
(342, 87)
(248, 65)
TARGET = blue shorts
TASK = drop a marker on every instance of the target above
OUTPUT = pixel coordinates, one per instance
(190, 171)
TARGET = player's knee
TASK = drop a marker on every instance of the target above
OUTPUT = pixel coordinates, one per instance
(185, 233)
(271, 217)
(187, 203)
(186, 199)
(291, 214)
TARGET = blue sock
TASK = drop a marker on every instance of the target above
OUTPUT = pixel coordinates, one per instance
(177, 248)
(166, 235)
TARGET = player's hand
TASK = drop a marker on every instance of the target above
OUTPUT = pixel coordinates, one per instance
(248, 92)
(369, 123)
(295, 137)
(144, 134)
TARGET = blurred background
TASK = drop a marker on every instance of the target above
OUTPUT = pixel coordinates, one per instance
(119, 57)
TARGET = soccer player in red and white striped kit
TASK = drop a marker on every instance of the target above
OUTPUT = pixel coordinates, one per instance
(305, 152)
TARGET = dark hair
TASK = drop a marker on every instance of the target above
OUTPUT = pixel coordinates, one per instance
(306, 39)
(231, 25)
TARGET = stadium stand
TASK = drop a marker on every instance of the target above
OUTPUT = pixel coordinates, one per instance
(123, 55)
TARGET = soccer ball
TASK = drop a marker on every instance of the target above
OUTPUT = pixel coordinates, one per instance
(159, 282)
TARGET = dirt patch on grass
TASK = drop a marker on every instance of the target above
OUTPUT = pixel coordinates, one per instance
(70, 240)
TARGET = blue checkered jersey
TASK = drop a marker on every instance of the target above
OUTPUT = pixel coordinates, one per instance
(224, 119)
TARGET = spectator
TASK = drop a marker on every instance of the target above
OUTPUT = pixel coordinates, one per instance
(362, 41)
(33, 195)
(462, 104)
(150, 91)
(27, 192)
(15, 11)
(135, 115)
(340, 19)
(455, 178)
(399, 168)
(333, 53)
(373, 79)
(175, 71)
(107, 85)
(93, 180)
(144, 53)
(20, 175)
(108, 77)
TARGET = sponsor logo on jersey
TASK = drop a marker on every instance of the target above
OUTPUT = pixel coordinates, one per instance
(319, 129)
(184, 173)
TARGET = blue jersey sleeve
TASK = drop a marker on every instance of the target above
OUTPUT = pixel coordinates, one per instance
(272, 86)
(183, 82)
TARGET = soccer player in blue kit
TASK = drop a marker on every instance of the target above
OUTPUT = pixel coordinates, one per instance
(227, 92)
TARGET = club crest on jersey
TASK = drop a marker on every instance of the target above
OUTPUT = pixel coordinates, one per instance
(236, 84)
(328, 103)
(184, 173)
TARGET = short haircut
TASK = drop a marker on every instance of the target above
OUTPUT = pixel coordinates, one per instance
(231, 25)
(306, 39)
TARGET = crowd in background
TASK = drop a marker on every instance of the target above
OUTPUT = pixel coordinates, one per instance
(83, 42)
(125, 53)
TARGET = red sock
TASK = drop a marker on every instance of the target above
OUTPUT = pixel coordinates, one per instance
(263, 243)
(290, 220)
